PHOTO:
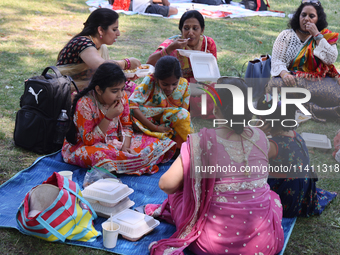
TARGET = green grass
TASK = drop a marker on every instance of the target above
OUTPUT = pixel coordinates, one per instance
(33, 31)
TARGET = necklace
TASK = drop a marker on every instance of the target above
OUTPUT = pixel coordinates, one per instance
(91, 38)
(303, 32)
(303, 35)
(193, 48)
(93, 42)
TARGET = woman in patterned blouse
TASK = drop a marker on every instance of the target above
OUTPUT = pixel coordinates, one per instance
(87, 50)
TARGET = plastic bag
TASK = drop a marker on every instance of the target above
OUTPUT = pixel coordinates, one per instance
(97, 173)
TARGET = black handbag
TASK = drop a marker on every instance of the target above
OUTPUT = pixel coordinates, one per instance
(258, 74)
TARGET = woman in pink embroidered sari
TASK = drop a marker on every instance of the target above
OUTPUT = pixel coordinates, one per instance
(217, 206)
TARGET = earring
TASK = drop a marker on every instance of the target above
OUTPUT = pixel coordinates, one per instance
(100, 36)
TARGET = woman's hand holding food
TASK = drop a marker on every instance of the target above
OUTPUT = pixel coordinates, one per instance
(177, 44)
(134, 63)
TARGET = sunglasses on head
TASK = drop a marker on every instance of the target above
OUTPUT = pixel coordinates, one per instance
(315, 2)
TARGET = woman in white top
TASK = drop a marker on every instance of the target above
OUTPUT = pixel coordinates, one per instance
(303, 56)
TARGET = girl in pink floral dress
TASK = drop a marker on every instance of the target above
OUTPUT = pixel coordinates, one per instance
(101, 132)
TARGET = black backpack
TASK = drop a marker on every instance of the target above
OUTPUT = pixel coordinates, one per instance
(43, 99)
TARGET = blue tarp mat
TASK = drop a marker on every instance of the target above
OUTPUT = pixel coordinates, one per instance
(146, 191)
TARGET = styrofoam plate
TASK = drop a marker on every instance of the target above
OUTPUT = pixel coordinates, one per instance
(133, 224)
(300, 117)
(204, 66)
(316, 141)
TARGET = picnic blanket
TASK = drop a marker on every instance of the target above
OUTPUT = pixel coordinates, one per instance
(145, 187)
(232, 10)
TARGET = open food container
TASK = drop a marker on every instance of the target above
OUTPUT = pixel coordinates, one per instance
(300, 117)
(145, 70)
(187, 53)
(130, 73)
(204, 65)
(134, 225)
(141, 71)
(316, 141)
(106, 192)
(106, 212)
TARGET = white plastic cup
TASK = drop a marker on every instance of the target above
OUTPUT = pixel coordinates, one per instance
(67, 174)
(110, 235)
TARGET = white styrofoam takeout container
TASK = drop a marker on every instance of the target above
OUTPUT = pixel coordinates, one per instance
(140, 72)
(106, 212)
(144, 72)
(187, 53)
(106, 192)
(129, 74)
(316, 141)
(204, 65)
(133, 224)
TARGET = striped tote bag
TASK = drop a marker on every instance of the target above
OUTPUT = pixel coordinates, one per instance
(56, 211)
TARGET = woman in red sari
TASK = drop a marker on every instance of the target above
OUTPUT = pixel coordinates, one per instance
(192, 28)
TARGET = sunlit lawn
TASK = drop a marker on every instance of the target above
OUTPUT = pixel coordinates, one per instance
(33, 32)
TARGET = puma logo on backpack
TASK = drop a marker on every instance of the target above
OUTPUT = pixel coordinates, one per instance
(30, 90)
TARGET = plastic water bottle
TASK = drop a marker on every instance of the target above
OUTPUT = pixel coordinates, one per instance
(61, 128)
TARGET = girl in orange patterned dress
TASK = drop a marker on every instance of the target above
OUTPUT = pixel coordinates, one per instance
(101, 131)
